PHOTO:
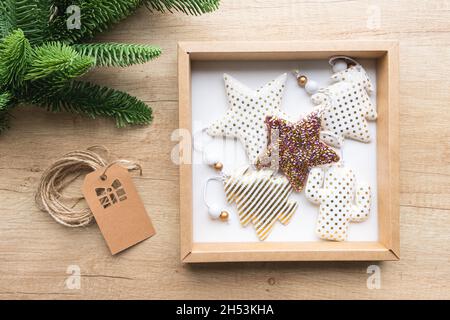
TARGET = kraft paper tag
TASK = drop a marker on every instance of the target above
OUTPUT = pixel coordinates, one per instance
(117, 207)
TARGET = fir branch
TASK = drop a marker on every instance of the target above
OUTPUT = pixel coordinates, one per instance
(7, 17)
(194, 7)
(58, 63)
(32, 69)
(118, 54)
(32, 16)
(96, 16)
(93, 100)
(5, 100)
(15, 51)
(5, 104)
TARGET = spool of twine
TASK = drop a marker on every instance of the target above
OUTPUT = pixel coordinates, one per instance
(49, 196)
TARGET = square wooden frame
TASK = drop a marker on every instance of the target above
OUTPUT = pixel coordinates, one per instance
(388, 246)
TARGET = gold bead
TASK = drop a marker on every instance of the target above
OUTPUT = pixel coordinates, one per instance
(218, 165)
(224, 216)
(302, 80)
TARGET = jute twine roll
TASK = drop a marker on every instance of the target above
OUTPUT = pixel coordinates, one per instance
(49, 197)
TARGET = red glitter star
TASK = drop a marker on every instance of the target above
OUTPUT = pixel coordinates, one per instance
(298, 147)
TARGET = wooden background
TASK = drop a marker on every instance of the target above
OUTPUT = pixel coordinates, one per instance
(35, 252)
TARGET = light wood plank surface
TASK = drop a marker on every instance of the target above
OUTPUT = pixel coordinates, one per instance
(35, 251)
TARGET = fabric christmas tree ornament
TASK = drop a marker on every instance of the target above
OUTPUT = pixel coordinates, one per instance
(346, 106)
(261, 199)
(248, 110)
(335, 190)
(295, 148)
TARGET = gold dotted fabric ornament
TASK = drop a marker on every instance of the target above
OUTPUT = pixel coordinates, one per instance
(261, 199)
(338, 204)
(346, 106)
(248, 110)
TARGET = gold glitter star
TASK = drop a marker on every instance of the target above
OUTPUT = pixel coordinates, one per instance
(296, 147)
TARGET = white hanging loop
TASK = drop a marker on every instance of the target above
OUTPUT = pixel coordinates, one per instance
(198, 147)
(296, 73)
(334, 58)
(215, 211)
(210, 158)
(205, 188)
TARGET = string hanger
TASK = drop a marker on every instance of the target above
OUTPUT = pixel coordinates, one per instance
(209, 158)
(309, 85)
(332, 61)
(215, 211)
(49, 196)
(338, 63)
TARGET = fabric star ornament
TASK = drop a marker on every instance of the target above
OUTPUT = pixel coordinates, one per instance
(347, 107)
(248, 110)
(295, 148)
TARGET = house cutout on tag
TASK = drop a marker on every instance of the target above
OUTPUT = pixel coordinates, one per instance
(109, 196)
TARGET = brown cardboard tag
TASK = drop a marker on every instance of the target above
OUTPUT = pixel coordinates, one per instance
(117, 207)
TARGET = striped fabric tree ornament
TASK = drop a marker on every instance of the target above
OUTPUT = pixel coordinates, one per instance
(261, 199)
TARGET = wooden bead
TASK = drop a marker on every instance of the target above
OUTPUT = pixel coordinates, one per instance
(218, 165)
(224, 216)
(302, 80)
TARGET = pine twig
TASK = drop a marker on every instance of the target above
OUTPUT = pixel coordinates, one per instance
(118, 54)
(194, 7)
(58, 63)
(94, 101)
(32, 16)
(15, 53)
(5, 104)
(7, 17)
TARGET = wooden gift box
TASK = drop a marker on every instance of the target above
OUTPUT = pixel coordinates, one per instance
(387, 247)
